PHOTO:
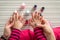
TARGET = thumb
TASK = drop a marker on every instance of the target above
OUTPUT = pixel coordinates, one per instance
(40, 25)
(11, 24)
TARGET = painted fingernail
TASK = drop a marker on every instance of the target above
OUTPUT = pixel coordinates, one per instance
(42, 9)
(35, 7)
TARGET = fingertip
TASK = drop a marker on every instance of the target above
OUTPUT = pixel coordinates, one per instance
(19, 17)
(15, 11)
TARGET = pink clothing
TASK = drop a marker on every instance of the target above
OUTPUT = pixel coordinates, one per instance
(29, 35)
(57, 33)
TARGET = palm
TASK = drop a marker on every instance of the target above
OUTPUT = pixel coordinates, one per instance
(36, 19)
(18, 21)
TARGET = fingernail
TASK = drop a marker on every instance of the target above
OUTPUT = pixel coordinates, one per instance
(15, 11)
(42, 9)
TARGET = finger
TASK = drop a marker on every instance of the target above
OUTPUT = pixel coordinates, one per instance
(13, 16)
(39, 13)
(32, 23)
(23, 21)
(44, 21)
(29, 21)
(8, 22)
(19, 18)
(33, 14)
(11, 20)
(10, 25)
(16, 15)
(36, 15)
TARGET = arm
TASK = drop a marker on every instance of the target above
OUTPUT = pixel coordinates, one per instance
(15, 34)
(39, 35)
(14, 22)
(49, 33)
(39, 21)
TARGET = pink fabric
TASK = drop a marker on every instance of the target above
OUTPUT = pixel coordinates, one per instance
(36, 35)
(57, 32)
(29, 35)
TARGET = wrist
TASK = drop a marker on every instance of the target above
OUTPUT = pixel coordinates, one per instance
(51, 37)
(3, 37)
(16, 28)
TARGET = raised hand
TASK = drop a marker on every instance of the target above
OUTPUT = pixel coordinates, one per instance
(16, 21)
(19, 21)
(39, 21)
(36, 19)
(7, 28)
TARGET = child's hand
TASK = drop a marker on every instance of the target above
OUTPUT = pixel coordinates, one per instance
(15, 21)
(36, 19)
(19, 21)
(7, 28)
(39, 21)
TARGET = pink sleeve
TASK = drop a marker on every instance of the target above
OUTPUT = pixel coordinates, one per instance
(39, 35)
(15, 34)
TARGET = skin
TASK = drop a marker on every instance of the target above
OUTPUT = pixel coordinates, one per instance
(15, 21)
(18, 22)
(42, 23)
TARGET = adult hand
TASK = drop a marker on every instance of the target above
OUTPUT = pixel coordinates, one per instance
(36, 19)
(7, 28)
(39, 21)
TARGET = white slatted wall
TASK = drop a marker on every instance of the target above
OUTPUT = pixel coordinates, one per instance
(51, 13)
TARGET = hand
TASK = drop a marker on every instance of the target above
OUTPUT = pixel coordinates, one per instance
(7, 28)
(19, 21)
(39, 21)
(36, 19)
(48, 32)
(13, 22)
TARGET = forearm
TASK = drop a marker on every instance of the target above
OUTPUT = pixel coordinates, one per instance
(39, 34)
(50, 35)
(15, 34)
